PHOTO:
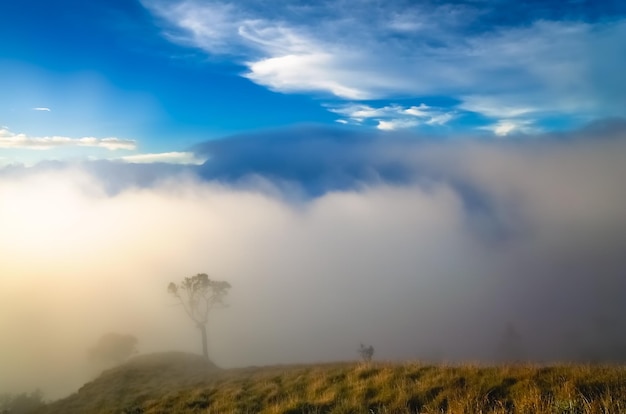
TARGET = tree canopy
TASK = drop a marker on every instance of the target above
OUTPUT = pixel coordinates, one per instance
(199, 295)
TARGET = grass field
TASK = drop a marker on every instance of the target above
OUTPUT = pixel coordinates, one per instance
(182, 383)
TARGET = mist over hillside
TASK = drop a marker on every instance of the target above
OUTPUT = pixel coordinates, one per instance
(425, 247)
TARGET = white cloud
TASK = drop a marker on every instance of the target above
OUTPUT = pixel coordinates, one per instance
(507, 126)
(440, 119)
(497, 107)
(503, 128)
(396, 124)
(419, 111)
(352, 52)
(393, 117)
(9, 139)
(276, 38)
(41, 108)
(304, 72)
(165, 157)
(210, 26)
(283, 55)
(359, 111)
(507, 119)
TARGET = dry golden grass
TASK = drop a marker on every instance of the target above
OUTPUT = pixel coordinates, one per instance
(358, 388)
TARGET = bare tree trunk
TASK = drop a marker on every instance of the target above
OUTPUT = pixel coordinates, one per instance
(205, 349)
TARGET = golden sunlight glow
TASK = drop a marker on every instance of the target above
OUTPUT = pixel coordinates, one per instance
(42, 216)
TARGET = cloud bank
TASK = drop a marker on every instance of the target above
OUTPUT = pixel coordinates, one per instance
(424, 248)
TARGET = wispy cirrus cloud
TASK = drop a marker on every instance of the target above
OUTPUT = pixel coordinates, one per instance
(10, 139)
(556, 64)
(42, 109)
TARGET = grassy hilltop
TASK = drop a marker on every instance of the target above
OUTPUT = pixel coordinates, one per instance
(184, 383)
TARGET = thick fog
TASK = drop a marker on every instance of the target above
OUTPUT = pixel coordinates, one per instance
(424, 248)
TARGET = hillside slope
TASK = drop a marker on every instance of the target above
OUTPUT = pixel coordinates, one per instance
(126, 387)
(152, 386)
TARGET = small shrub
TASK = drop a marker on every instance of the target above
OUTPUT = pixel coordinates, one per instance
(366, 353)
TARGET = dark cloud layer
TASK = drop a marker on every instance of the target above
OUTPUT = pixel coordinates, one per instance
(317, 159)
(423, 247)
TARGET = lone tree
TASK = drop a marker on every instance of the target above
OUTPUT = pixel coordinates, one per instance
(198, 294)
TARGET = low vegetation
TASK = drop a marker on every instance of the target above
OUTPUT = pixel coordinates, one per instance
(23, 403)
(126, 388)
(180, 383)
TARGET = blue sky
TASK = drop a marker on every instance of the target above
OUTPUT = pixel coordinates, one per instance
(131, 79)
